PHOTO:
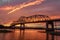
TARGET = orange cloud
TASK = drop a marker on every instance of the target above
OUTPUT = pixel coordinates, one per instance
(6, 8)
(19, 7)
(55, 17)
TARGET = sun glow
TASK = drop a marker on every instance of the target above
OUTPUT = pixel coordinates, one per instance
(8, 23)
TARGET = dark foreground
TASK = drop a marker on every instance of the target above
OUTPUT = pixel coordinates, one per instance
(28, 34)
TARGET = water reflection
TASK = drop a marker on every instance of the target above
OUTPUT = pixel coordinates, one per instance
(48, 36)
(18, 34)
(27, 35)
(22, 32)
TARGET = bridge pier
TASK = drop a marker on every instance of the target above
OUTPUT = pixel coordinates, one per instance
(22, 26)
(49, 23)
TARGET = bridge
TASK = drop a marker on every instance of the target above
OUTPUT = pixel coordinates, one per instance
(36, 19)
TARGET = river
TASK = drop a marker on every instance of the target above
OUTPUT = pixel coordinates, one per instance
(28, 34)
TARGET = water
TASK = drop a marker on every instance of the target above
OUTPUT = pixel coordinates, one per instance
(17, 34)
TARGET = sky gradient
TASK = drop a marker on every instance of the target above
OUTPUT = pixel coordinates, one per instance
(27, 8)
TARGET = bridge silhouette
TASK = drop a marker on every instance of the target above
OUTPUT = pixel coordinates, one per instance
(36, 19)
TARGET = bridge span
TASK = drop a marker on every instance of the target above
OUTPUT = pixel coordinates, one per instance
(36, 19)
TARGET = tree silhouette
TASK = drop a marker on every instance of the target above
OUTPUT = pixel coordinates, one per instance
(1, 26)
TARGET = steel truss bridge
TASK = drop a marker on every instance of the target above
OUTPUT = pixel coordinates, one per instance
(36, 19)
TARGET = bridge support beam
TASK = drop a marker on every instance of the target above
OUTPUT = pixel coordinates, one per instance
(49, 23)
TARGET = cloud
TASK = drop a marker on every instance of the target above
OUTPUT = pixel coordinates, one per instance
(6, 0)
(26, 5)
(6, 8)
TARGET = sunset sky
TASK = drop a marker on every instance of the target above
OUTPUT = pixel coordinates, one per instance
(11, 10)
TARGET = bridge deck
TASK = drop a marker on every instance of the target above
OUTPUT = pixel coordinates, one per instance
(54, 20)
